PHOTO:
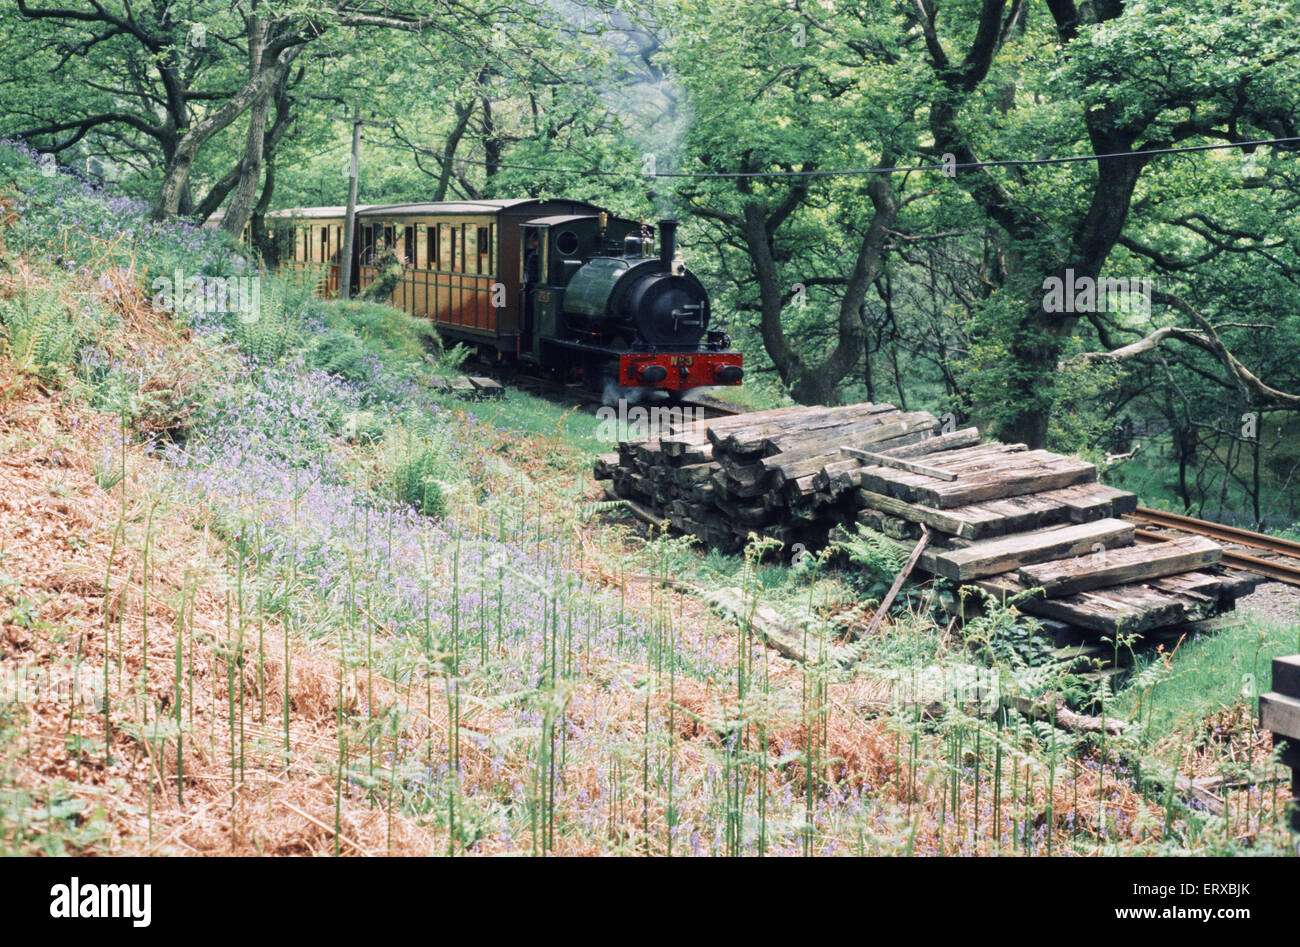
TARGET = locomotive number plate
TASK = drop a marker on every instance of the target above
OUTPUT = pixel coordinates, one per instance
(682, 360)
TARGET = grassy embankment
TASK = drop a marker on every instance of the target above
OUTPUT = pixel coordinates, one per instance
(311, 606)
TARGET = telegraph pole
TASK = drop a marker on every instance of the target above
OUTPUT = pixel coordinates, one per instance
(350, 218)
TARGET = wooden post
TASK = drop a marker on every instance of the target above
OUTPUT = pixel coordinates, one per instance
(888, 600)
(1279, 711)
(350, 215)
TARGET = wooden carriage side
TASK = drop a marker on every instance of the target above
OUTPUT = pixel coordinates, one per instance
(450, 260)
(310, 240)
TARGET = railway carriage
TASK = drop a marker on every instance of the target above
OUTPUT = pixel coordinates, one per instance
(561, 284)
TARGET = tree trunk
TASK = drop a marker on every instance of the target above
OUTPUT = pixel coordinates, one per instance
(177, 175)
(818, 383)
(463, 113)
(263, 241)
(491, 143)
(250, 169)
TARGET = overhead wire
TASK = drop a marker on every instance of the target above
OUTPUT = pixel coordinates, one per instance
(944, 167)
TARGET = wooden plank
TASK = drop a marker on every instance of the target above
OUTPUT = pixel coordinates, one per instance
(1032, 472)
(603, 468)
(888, 600)
(995, 556)
(994, 484)
(903, 486)
(1100, 613)
(1090, 501)
(885, 460)
(808, 457)
(487, 387)
(460, 385)
(1281, 714)
(953, 440)
(1286, 675)
(782, 635)
(754, 430)
(1120, 566)
(870, 430)
(953, 522)
(1082, 503)
(692, 474)
(1202, 586)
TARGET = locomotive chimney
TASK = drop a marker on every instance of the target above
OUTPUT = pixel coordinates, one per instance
(667, 242)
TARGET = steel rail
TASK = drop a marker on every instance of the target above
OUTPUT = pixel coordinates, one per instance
(1279, 570)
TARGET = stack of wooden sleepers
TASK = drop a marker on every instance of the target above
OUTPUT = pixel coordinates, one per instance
(998, 516)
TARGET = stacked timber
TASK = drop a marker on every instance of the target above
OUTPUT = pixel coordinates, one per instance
(1025, 525)
(726, 478)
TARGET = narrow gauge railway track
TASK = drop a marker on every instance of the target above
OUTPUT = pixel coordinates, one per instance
(1278, 559)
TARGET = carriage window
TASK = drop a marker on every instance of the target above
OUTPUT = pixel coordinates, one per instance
(444, 247)
(457, 251)
(324, 244)
(390, 237)
(485, 250)
(471, 249)
(302, 241)
(432, 259)
(408, 246)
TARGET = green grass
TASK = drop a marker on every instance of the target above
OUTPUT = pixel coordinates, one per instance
(565, 426)
(1211, 672)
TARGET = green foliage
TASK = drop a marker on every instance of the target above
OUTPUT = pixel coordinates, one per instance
(454, 359)
(276, 329)
(341, 353)
(389, 273)
(387, 332)
(416, 467)
(876, 553)
(38, 334)
(1002, 636)
(364, 339)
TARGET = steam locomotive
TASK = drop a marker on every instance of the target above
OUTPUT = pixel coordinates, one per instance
(563, 285)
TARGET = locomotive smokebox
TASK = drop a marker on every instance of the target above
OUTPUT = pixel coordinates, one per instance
(667, 242)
